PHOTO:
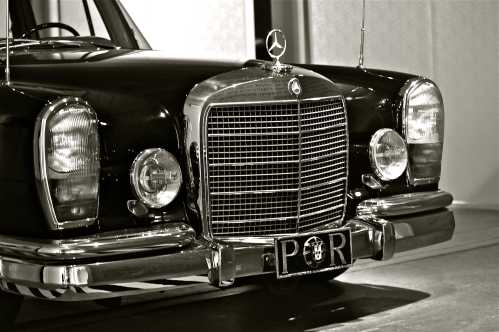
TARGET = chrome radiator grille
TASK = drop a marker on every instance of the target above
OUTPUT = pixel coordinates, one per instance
(276, 168)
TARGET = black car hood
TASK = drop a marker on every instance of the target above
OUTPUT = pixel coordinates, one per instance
(145, 73)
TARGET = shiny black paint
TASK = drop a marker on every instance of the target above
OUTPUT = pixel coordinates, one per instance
(139, 97)
(19, 203)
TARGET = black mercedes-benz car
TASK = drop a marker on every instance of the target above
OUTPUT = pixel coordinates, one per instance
(123, 171)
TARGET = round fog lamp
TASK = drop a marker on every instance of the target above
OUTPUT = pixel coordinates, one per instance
(156, 177)
(388, 154)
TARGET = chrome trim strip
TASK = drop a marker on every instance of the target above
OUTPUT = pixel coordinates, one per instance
(128, 241)
(7, 44)
(325, 194)
(347, 165)
(325, 139)
(255, 163)
(323, 145)
(321, 111)
(404, 204)
(283, 162)
(183, 263)
(342, 125)
(279, 101)
(41, 164)
(325, 167)
(332, 208)
(261, 174)
(327, 199)
(337, 132)
(256, 221)
(257, 102)
(234, 193)
(287, 101)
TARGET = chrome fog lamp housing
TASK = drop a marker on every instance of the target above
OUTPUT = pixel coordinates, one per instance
(67, 163)
(388, 154)
(156, 177)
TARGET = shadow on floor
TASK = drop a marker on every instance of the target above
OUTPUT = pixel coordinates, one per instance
(311, 305)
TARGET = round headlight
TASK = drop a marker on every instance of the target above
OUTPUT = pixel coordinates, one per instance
(156, 177)
(388, 154)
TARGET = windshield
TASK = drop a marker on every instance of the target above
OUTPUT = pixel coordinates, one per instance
(97, 21)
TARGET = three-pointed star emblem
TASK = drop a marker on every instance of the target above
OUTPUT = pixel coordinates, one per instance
(276, 43)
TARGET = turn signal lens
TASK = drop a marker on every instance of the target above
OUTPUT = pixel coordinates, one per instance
(68, 151)
(156, 177)
(388, 154)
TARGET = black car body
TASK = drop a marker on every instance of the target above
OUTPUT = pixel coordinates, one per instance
(280, 168)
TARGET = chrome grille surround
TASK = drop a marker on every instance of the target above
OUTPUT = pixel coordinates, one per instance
(275, 167)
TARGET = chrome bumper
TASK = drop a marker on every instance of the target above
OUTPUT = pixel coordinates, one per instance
(168, 255)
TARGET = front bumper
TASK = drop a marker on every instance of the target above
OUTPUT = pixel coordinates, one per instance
(158, 258)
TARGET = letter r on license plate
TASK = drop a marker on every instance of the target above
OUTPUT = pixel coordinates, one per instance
(313, 252)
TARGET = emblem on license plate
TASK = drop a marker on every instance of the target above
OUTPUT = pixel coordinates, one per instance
(313, 253)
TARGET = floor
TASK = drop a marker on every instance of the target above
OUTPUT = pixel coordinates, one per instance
(453, 286)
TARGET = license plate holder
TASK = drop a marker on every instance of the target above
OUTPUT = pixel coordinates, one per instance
(313, 252)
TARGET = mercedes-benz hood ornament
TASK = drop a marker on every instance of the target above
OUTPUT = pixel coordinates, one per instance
(276, 47)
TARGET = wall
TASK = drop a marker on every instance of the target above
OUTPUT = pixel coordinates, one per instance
(456, 43)
(208, 29)
(3, 4)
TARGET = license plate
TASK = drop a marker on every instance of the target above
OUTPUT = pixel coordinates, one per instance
(313, 253)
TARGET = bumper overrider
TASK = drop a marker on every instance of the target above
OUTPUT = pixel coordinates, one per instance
(164, 256)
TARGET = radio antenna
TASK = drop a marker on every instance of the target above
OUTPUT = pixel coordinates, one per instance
(7, 46)
(362, 35)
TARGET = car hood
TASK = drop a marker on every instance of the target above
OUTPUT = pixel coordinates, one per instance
(145, 73)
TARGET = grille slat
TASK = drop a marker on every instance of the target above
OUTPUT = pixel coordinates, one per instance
(255, 157)
(228, 135)
(311, 130)
(323, 210)
(326, 193)
(340, 131)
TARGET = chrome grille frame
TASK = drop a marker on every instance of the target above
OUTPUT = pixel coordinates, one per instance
(299, 104)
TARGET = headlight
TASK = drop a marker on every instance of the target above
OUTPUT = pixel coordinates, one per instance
(423, 127)
(388, 154)
(68, 163)
(424, 115)
(156, 177)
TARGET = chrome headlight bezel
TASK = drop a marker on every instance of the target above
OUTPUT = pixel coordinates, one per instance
(41, 163)
(425, 156)
(378, 169)
(137, 177)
